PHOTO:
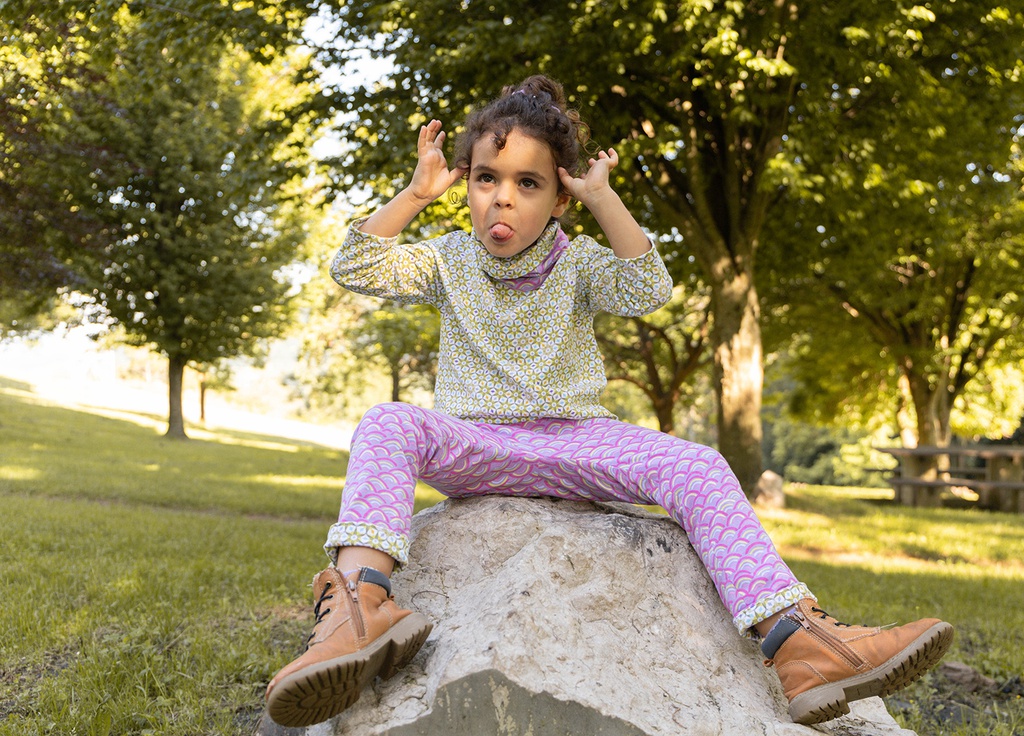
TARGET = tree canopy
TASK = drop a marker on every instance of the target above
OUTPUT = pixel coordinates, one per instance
(698, 98)
(903, 249)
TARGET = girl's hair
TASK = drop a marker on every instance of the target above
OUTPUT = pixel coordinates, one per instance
(536, 107)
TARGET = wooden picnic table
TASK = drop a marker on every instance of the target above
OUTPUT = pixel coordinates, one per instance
(994, 472)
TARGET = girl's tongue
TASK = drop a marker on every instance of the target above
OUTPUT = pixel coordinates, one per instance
(500, 232)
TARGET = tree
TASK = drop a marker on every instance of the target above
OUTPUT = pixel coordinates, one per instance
(660, 353)
(49, 151)
(695, 96)
(350, 339)
(902, 250)
(404, 341)
(213, 215)
(660, 84)
(210, 192)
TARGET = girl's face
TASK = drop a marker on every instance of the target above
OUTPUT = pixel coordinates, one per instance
(513, 193)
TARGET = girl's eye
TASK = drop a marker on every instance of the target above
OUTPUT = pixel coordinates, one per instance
(529, 183)
(485, 178)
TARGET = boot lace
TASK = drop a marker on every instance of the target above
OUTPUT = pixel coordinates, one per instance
(824, 615)
(320, 614)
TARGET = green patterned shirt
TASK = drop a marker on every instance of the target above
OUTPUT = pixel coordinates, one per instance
(506, 355)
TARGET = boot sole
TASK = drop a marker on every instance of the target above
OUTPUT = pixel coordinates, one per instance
(825, 702)
(323, 690)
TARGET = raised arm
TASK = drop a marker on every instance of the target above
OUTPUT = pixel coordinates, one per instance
(624, 234)
(430, 180)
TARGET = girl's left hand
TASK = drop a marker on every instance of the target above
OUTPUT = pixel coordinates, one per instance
(595, 181)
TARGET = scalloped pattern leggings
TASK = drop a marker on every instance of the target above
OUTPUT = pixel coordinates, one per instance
(592, 459)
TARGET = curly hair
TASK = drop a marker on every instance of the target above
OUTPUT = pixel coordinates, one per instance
(535, 107)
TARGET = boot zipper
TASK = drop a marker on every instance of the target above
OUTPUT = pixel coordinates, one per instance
(852, 657)
(357, 614)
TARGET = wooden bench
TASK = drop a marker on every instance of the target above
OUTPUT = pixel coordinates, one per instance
(995, 472)
(997, 495)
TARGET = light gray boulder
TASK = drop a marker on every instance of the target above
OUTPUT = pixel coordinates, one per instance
(557, 617)
(769, 493)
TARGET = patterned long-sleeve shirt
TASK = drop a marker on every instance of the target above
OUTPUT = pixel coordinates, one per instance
(507, 355)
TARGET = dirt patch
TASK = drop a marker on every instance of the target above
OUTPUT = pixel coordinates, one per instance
(20, 683)
(956, 698)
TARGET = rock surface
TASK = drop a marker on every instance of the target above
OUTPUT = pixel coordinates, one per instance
(769, 492)
(557, 617)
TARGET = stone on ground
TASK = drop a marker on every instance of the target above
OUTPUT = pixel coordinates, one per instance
(557, 617)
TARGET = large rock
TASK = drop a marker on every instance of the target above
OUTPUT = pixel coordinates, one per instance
(555, 617)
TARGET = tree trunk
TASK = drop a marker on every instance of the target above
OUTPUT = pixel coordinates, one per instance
(932, 429)
(175, 419)
(396, 388)
(202, 398)
(905, 421)
(739, 377)
(930, 425)
(664, 411)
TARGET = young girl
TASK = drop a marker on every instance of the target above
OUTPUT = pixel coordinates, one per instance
(518, 413)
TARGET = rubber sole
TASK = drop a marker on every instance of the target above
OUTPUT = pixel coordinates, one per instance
(825, 702)
(323, 690)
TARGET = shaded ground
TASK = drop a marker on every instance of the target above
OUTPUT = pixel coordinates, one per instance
(956, 698)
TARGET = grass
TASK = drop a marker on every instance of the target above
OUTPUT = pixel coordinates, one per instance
(154, 587)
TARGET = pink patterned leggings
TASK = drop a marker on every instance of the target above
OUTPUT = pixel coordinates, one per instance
(592, 459)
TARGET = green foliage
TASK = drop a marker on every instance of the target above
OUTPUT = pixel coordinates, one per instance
(901, 249)
(196, 187)
(694, 96)
(405, 340)
(859, 110)
(50, 159)
(61, 117)
(185, 28)
(194, 274)
(808, 453)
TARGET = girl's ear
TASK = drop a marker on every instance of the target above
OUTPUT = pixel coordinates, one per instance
(561, 204)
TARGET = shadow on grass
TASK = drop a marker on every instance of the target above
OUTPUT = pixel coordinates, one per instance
(9, 384)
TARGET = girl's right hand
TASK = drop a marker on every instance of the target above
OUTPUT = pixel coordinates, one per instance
(432, 177)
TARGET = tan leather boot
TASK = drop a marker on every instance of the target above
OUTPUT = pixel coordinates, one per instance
(359, 633)
(825, 664)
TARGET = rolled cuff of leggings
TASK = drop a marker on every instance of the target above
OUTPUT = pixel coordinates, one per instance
(768, 606)
(364, 534)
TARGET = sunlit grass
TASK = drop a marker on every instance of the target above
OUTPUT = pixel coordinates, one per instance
(825, 520)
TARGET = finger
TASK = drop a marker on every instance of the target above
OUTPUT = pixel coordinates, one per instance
(430, 131)
(455, 174)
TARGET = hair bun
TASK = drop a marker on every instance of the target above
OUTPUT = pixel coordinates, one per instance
(544, 88)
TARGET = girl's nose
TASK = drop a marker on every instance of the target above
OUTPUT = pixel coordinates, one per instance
(504, 197)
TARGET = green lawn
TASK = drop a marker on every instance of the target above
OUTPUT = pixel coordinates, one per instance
(150, 586)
